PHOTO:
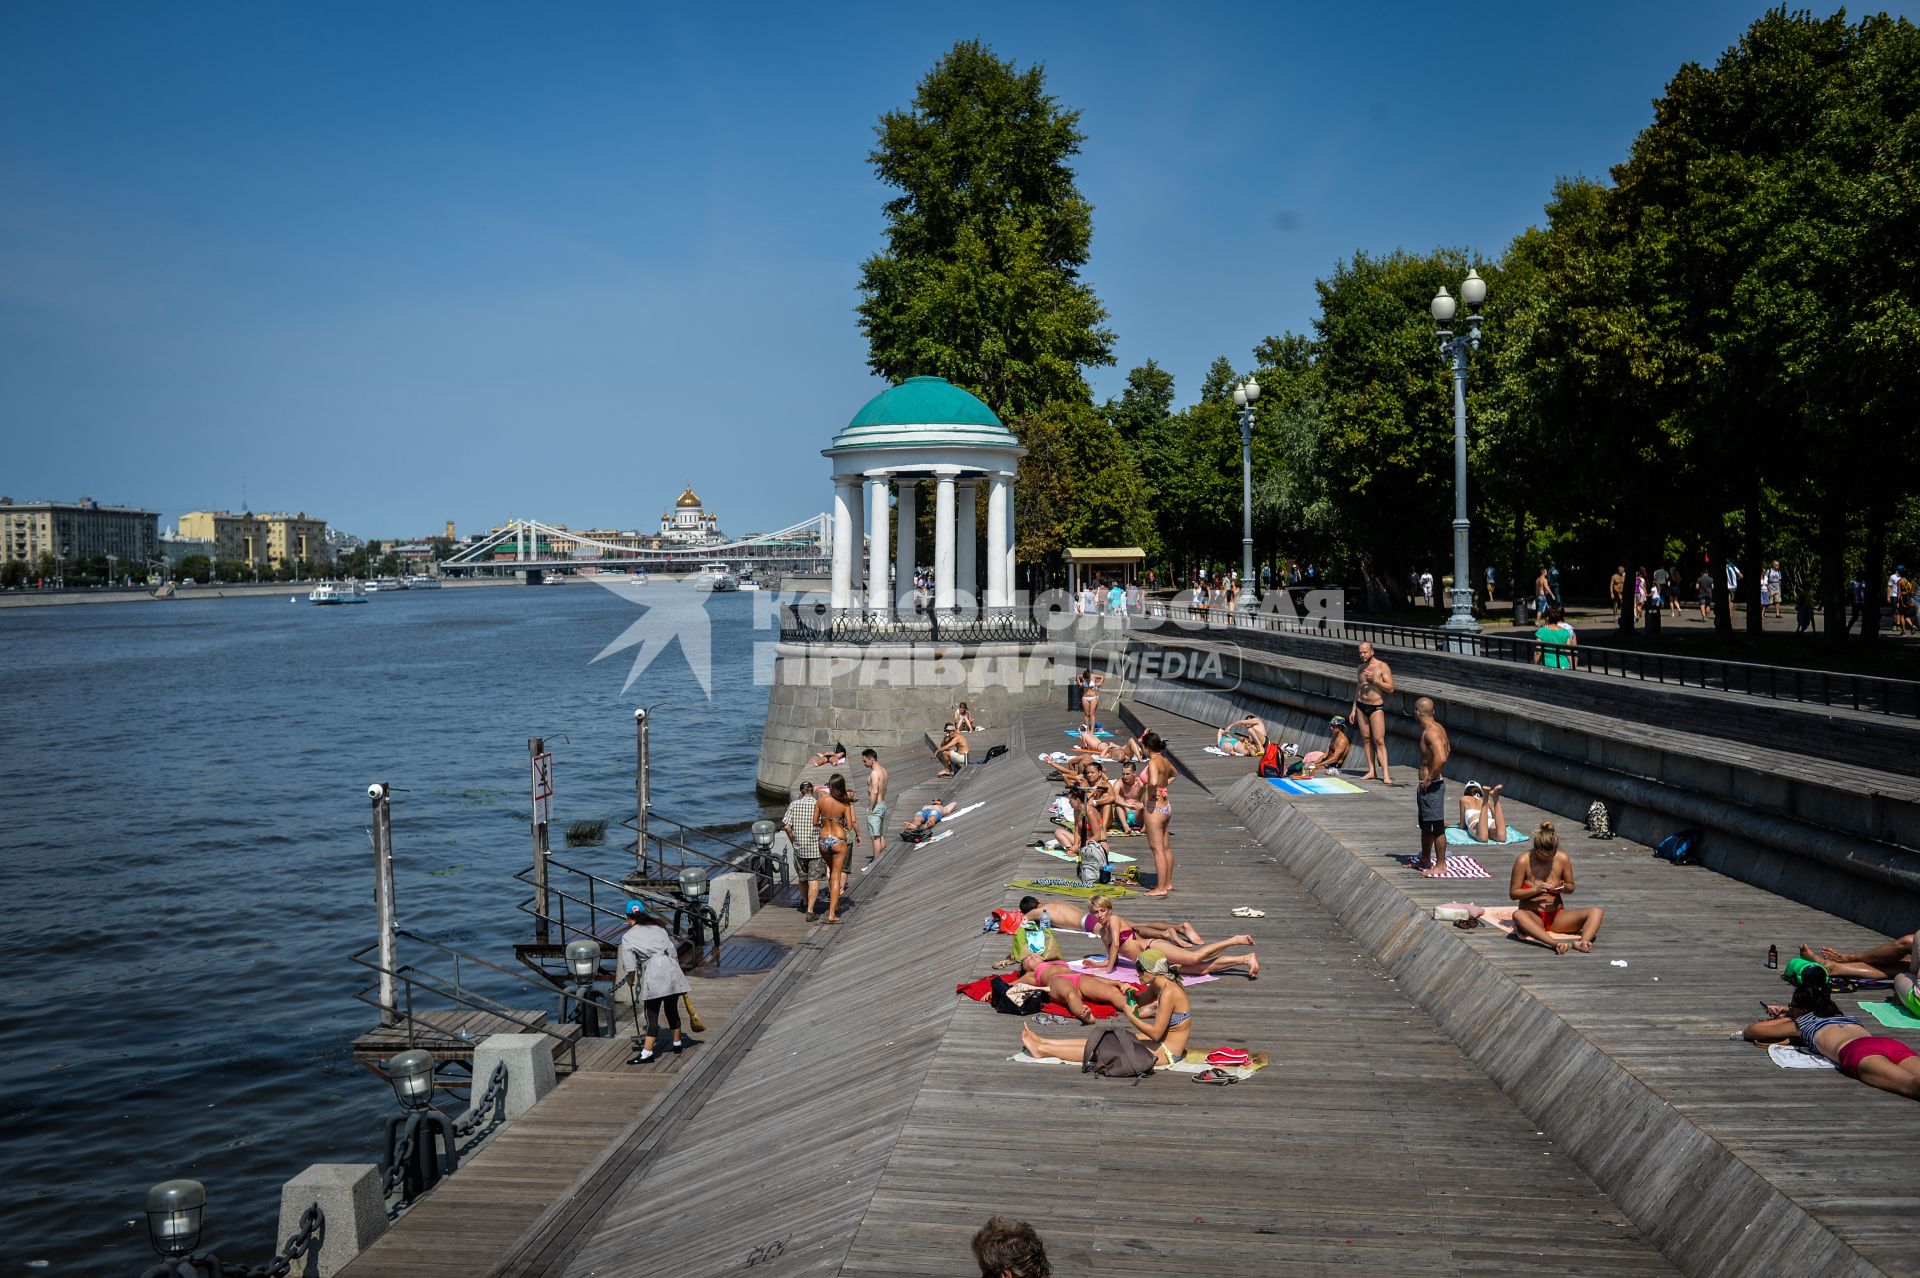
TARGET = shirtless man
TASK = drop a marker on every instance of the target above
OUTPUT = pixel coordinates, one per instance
(929, 816)
(1887, 960)
(1079, 916)
(1430, 800)
(1130, 797)
(1481, 815)
(1373, 683)
(1338, 746)
(1617, 588)
(876, 805)
(1542, 596)
(952, 752)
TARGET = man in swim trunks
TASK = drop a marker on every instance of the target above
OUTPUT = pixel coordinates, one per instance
(1481, 815)
(1430, 800)
(1073, 916)
(1130, 797)
(931, 815)
(876, 804)
(1338, 745)
(952, 752)
(1372, 684)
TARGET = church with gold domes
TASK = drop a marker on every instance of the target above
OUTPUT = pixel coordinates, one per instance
(688, 523)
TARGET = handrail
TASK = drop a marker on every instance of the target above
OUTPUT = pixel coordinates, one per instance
(769, 871)
(666, 906)
(1894, 697)
(458, 994)
(855, 626)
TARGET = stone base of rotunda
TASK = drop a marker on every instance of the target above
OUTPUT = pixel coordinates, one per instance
(889, 696)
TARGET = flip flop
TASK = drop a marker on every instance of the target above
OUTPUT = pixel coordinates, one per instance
(1248, 912)
(1218, 1077)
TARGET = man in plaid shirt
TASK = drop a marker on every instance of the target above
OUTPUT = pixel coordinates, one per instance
(804, 829)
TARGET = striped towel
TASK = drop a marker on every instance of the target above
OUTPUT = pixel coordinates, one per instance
(1458, 867)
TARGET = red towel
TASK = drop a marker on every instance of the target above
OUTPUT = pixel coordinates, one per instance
(981, 990)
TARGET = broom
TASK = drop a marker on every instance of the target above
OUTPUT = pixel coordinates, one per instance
(694, 1022)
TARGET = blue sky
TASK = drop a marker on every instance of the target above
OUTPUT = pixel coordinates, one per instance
(401, 263)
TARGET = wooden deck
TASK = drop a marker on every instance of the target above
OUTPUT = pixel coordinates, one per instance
(876, 1120)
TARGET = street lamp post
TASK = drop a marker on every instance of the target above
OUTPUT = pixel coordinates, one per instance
(1473, 291)
(1243, 396)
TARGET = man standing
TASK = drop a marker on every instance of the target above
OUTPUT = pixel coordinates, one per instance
(803, 828)
(1733, 582)
(1542, 596)
(1371, 686)
(1704, 584)
(1553, 585)
(876, 805)
(1662, 588)
(1489, 587)
(1430, 800)
(1616, 586)
(1773, 587)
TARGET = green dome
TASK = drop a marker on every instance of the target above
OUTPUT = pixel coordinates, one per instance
(924, 410)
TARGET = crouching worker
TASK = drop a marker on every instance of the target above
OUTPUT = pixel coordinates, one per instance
(650, 967)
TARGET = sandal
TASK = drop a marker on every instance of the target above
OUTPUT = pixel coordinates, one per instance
(1248, 912)
(1218, 1077)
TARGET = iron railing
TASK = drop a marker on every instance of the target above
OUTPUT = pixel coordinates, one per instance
(455, 991)
(1896, 697)
(812, 624)
(600, 906)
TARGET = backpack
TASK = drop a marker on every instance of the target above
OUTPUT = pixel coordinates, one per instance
(1681, 848)
(993, 752)
(1093, 862)
(1270, 764)
(1599, 826)
(1029, 1001)
(1114, 1054)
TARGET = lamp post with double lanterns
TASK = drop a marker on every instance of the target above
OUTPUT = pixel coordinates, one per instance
(1473, 291)
(1243, 397)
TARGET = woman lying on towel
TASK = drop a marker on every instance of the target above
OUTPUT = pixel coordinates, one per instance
(1243, 736)
(1073, 990)
(1125, 940)
(1886, 1063)
(1075, 917)
(1542, 878)
(1168, 1031)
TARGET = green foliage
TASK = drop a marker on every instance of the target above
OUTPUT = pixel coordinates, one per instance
(1079, 486)
(194, 568)
(14, 574)
(980, 279)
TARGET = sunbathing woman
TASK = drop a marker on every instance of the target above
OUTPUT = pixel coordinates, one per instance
(1124, 940)
(1886, 1063)
(1250, 733)
(1073, 917)
(1159, 776)
(1542, 877)
(834, 811)
(929, 816)
(1073, 990)
(1168, 1031)
(1480, 813)
(829, 758)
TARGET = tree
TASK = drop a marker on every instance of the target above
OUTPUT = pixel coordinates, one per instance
(1079, 486)
(194, 568)
(13, 574)
(980, 279)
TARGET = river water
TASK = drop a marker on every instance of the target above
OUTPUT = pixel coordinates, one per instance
(186, 863)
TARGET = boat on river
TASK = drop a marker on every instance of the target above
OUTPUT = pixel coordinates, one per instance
(328, 592)
(715, 577)
(420, 581)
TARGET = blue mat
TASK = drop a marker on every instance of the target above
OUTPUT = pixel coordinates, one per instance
(1314, 785)
(1458, 837)
(1097, 731)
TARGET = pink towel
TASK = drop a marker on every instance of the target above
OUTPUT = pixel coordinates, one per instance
(1125, 971)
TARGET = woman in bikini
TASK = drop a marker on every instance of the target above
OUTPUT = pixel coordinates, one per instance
(1373, 683)
(1073, 990)
(1168, 1031)
(1074, 916)
(1124, 939)
(1542, 879)
(1876, 1060)
(1090, 682)
(838, 835)
(1159, 776)
(963, 719)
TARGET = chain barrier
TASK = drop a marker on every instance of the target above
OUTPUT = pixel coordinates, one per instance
(313, 1232)
(487, 1113)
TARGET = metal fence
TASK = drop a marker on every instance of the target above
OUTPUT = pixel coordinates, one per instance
(804, 624)
(1896, 697)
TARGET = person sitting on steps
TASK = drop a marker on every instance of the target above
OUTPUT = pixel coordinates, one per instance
(952, 752)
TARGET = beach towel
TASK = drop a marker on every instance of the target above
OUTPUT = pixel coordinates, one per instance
(1125, 972)
(1225, 754)
(1195, 1061)
(1458, 867)
(936, 836)
(1098, 732)
(981, 991)
(1069, 887)
(1314, 785)
(1059, 855)
(1891, 1015)
(1021, 1058)
(963, 811)
(1458, 837)
(1789, 1057)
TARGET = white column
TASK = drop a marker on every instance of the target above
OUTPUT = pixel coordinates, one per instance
(903, 547)
(1013, 581)
(879, 596)
(842, 596)
(966, 563)
(943, 544)
(997, 542)
(856, 529)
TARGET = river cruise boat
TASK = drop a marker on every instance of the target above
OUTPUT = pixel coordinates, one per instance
(715, 577)
(420, 581)
(328, 592)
